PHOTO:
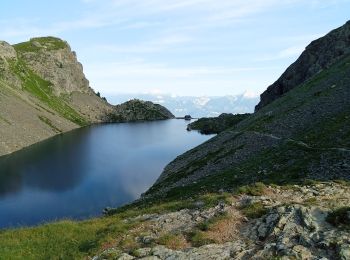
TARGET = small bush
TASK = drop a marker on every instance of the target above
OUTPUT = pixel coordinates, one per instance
(129, 244)
(203, 226)
(254, 210)
(198, 239)
(172, 241)
(257, 189)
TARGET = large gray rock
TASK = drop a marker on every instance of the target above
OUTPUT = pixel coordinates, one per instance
(7, 51)
(52, 59)
(319, 55)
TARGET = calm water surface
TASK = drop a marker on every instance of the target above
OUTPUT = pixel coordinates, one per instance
(78, 174)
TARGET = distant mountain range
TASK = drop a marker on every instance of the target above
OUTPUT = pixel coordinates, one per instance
(196, 106)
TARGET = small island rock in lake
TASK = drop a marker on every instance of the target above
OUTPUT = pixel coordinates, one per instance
(138, 110)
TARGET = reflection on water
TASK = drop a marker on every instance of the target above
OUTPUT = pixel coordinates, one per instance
(77, 174)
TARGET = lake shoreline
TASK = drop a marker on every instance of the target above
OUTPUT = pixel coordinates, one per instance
(85, 163)
(81, 127)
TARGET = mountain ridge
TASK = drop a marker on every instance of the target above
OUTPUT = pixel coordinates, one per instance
(310, 119)
(320, 54)
(44, 92)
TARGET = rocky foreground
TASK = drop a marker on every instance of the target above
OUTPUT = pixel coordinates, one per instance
(263, 222)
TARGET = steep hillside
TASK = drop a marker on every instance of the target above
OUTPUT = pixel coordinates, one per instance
(318, 56)
(138, 110)
(305, 134)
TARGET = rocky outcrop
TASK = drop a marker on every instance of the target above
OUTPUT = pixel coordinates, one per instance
(288, 223)
(52, 59)
(138, 110)
(318, 56)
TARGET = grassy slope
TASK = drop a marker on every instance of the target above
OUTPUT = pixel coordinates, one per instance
(77, 240)
(51, 43)
(285, 165)
(308, 128)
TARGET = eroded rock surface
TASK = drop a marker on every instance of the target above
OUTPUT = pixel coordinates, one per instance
(293, 226)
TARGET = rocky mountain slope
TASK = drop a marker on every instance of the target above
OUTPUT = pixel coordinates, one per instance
(318, 56)
(44, 92)
(302, 135)
(138, 110)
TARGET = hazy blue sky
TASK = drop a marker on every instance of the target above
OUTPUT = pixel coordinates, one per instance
(182, 47)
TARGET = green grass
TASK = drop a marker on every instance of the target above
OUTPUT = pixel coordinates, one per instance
(172, 241)
(169, 204)
(256, 189)
(50, 43)
(42, 90)
(207, 224)
(198, 238)
(61, 240)
(50, 124)
(254, 210)
(79, 239)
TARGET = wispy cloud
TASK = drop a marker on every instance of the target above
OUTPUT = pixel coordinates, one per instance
(156, 45)
(180, 45)
(134, 14)
(143, 69)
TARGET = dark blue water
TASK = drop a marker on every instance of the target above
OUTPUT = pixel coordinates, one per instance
(78, 174)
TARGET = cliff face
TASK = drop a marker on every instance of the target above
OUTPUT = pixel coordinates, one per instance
(43, 92)
(318, 56)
